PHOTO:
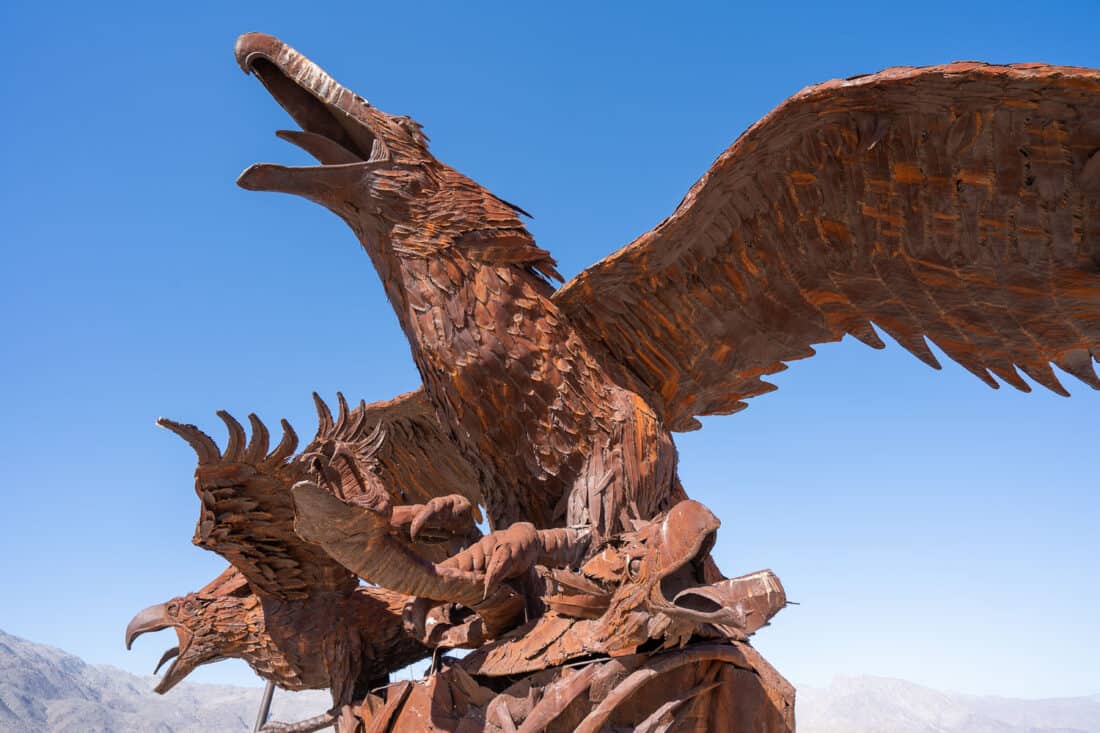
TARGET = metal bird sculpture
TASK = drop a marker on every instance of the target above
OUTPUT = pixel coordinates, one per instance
(956, 204)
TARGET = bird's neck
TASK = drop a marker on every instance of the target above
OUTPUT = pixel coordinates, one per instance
(264, 634)
(505, 371)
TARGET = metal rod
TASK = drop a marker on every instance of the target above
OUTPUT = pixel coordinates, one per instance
(265, 707)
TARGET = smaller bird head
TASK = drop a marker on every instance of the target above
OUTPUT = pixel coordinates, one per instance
(220, 621)
(652, 564)
(660, 568)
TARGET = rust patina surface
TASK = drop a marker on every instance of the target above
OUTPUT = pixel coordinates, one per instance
(957, 203)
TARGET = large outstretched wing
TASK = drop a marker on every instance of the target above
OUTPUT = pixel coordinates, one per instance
(247, 513)
(959, 203)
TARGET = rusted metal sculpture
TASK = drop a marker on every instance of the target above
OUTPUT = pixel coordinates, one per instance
(958, 203)
(284, 606)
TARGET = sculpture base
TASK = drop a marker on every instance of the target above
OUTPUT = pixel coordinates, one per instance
(701, 687)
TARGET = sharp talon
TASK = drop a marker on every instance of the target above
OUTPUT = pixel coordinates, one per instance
(418, 523)
(493, 572)
(440, 519)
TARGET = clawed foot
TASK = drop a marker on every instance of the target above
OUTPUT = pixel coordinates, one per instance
(441, 519)
(516, 551)
(498, 557)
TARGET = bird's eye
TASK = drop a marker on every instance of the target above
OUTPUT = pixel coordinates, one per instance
(189, 607)
(634, 567)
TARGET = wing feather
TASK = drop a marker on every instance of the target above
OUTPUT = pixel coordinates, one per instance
(957, 204)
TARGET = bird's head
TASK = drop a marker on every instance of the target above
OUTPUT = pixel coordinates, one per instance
(222, 620)
(376, 171)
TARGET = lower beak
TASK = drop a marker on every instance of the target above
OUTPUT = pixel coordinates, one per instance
(746, 603)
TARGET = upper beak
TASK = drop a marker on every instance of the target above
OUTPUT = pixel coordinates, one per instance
(153, 618)
(251, 45)
(329, 115)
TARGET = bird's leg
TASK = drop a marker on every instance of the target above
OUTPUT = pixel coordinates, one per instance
(498, 557)
(495, 558)
(441, 519)
(509, 553)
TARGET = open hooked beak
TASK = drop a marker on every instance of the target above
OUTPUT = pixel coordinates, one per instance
(686, 536)
(156, 618)
(333, 120)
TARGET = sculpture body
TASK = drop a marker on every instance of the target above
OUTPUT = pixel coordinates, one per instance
(959, 203)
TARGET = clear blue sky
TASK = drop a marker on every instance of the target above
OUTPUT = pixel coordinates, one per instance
(932, 529)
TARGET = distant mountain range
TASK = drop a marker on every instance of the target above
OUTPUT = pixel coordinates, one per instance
(45, 689)
(879, 705)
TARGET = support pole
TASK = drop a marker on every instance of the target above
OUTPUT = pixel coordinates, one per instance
(265, 707)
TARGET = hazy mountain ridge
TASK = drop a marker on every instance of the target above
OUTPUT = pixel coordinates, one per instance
(881, 705)
(46, 689)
